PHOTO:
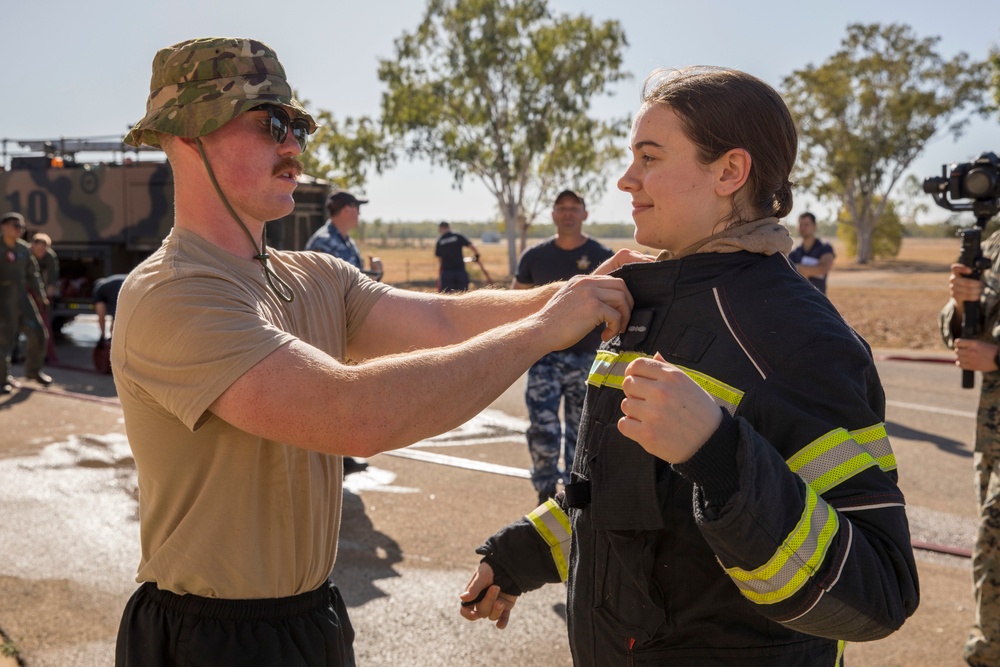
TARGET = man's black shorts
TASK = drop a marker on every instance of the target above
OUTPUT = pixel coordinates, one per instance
(160, 628)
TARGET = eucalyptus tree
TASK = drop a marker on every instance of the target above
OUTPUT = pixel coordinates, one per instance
(867, 112)
(342, 152)
(500, 91)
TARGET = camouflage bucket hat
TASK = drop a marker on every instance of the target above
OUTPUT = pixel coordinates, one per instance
(201, 84)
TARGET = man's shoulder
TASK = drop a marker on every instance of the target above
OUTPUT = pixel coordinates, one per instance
(593, 245)
(540, 247)
(320, 237)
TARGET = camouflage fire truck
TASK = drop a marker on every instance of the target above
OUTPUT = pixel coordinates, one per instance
(106, 217)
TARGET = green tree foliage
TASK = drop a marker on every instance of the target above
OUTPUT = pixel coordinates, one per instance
(994, 61)
(867, 112)
(500, 90)
(343, 152)
(887, 235)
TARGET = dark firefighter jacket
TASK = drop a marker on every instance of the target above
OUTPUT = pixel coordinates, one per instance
(783, 537)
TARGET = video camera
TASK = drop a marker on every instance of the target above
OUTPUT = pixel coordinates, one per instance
(979, 181)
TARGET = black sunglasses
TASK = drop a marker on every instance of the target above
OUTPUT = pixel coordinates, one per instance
(280, 122)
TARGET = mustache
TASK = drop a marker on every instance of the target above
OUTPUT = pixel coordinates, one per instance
(289, 164)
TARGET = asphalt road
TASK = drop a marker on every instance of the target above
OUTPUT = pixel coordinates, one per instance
(69, 537)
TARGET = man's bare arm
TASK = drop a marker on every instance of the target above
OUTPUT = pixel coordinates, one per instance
(303, 397)
(435, 320)
(619, 259)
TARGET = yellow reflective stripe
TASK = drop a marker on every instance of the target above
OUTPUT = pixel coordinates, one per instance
(725, 396)
(841, 645)
(876, 442)
(608, 370)
(554, 527)
(782, 576)
(837, 456)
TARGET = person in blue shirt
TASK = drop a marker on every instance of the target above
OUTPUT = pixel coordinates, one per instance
(560, 376)
(334, 238)
(813, 258)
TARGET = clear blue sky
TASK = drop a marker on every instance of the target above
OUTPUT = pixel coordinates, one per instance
(81, 69)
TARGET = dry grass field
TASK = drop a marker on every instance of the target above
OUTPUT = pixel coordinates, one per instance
(893, 303)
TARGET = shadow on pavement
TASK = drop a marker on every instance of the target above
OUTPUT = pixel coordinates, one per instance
(365, 555)
(956, 447)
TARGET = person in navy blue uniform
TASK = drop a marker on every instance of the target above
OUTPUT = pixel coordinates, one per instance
(452, 276)
(334, 238)
(560, 376)
(813, 257)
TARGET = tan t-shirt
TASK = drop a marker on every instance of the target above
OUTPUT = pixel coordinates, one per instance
(224, 513)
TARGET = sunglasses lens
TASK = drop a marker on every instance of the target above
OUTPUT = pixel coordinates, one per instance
(280, 122)
(300, 130)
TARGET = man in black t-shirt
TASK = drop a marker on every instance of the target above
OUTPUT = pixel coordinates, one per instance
(559, 376)
(452, 276)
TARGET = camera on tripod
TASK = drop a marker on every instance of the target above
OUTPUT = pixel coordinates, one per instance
(979, 181)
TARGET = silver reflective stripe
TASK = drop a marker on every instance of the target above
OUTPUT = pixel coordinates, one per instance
(797, 558)
(553, 525)
(839, 455)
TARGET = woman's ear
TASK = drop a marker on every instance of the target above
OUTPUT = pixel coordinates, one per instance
(733, 171)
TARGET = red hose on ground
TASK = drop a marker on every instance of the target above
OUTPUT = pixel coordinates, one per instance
(904, 357)
(941, 549)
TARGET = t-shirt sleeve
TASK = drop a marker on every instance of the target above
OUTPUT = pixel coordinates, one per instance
(187, 341)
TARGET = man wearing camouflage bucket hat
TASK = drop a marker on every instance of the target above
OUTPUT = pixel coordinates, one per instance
(231, 363)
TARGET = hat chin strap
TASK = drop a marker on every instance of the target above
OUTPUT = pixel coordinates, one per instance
(279, 286)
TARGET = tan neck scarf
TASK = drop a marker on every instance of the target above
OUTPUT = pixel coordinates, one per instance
(764, 237)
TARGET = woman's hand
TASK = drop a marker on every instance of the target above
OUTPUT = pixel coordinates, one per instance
(666, 411)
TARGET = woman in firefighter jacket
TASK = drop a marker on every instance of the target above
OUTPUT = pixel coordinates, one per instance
(733, 499)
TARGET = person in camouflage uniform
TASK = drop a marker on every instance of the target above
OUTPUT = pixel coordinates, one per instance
(48, 263)
(982, 354)
(19, 277)
(48, 269)
(561, 376)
